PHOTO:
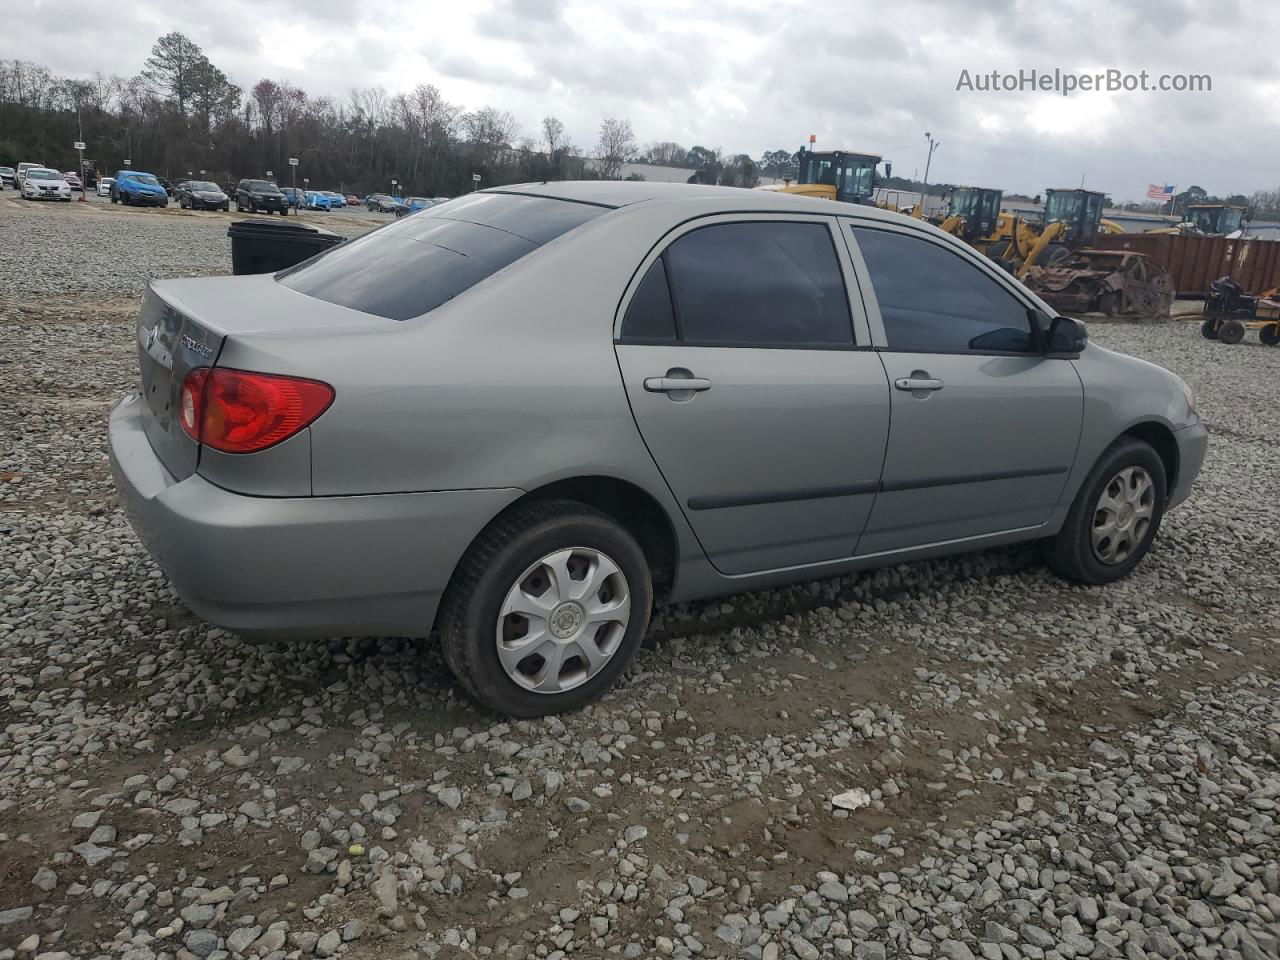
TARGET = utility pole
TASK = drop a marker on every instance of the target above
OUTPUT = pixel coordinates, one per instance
(933, 145)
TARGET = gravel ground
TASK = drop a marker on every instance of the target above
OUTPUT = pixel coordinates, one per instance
(1035, 770)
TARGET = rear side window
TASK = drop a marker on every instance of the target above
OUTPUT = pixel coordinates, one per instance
(410, 267)
(934, 301)
(764, 283)
(649, 315)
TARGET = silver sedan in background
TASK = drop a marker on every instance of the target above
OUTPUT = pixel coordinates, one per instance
(516, 418)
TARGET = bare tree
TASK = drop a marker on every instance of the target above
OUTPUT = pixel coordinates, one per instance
(617, 145)
(553, 134)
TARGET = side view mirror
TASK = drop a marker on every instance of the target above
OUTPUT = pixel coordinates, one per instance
(888, 169)
(1066, 338)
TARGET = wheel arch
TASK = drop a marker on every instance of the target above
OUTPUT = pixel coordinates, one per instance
(630, 506)
(1160, 438)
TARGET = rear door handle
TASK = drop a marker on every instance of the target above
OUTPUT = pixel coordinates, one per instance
(676, 384)
(917, 383)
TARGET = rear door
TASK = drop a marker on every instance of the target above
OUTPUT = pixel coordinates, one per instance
(755, 390)
(985, 428)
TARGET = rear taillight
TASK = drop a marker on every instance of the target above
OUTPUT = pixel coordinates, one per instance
(238, 411)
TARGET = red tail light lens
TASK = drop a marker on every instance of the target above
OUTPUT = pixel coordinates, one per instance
(238, 411)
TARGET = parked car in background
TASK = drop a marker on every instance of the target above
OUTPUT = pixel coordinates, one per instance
(201, 195)
(104, 186)
(73, 180)
(229, 189)
(315, 200)
(380, 203)
(353, 200)
(518, 453)
(24, 167)
(8, 177)
(260, 195)
(296, 196)
(41, 183)
(413, 205)
(134, 188)
(168, 187)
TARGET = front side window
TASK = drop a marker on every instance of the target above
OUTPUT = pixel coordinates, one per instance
(935, 301)
(764, 283)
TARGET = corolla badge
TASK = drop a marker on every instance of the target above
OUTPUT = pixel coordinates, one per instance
(195, 346)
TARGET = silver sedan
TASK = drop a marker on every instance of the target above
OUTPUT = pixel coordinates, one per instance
(517, 418)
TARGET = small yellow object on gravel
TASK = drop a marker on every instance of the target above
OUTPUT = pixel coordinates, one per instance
(356, 850)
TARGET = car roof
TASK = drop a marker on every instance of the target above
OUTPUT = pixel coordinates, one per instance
(622, 193)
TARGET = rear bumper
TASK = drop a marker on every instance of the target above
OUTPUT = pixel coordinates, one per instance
(1193, 442)
(281, 567)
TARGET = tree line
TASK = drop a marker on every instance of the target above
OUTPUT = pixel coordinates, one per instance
(181, 114)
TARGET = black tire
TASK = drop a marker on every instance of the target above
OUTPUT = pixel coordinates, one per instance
(1052, 254)
(1070, 554)
(1111, 303)
(1209, 330)
(284, 212)
(1231, 331)
(1270, 335)
(492, 565)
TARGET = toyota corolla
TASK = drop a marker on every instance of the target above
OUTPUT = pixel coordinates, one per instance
(515, 419)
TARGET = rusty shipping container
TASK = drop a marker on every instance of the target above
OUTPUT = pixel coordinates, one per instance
(1195, 262)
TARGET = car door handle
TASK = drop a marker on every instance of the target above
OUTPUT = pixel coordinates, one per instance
(917, 383)
(676, 384)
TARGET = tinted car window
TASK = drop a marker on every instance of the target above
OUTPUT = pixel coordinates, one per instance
(649, 315)
(762, 283)
(410, 267)
(934, 301)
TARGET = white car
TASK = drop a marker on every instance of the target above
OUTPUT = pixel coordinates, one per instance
(40, 183)
(104, 186)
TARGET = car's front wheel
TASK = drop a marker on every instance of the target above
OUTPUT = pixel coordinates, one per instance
(546, 609)
(1115, 516)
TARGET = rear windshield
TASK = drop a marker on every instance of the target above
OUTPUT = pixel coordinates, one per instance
(261, 185)
(410, 267)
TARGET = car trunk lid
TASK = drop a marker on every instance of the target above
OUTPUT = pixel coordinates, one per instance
(190, 323)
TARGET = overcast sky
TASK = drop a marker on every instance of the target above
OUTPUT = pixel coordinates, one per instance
(872, 76)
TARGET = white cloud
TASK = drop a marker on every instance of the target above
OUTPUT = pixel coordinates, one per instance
(720, 73)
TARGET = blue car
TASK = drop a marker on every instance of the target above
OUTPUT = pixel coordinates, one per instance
(318, 201)
(136, 189)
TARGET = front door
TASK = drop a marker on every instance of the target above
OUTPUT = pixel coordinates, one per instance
(985, 428)
(765, 413)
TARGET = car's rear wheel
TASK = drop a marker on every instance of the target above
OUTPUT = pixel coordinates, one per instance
(547, 609)
(1114, 518)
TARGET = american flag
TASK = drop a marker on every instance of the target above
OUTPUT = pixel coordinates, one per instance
(1157, 192)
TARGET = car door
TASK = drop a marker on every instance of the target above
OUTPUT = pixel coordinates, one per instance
(754, 388)
(984, 427)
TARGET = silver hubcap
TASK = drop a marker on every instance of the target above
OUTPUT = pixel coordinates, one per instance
(563, 620)
(1122, 515)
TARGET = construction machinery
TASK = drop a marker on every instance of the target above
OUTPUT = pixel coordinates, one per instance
(1111, 282)
(1055, 258)
(1229, 312)
(1207, 220)
(973, 214)
(844, 175)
